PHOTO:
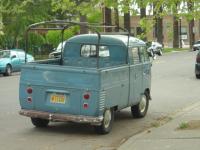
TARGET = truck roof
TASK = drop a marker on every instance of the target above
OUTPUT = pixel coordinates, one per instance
(121, 40)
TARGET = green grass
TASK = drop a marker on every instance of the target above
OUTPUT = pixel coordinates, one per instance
(167, 50)
(183, 125)
(41, 57)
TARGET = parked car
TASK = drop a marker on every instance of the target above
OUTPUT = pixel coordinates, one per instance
(155, 48)
(97, 75)
(196, 46)
(12, 60)
(57, 52)
(197, 65)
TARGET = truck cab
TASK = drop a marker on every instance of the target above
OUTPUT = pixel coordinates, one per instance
(92, 79)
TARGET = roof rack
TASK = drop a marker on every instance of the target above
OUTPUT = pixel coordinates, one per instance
(65, 24)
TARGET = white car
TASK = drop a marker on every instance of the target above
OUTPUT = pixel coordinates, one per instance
(196, 46)
(57, 52)
(155, 48)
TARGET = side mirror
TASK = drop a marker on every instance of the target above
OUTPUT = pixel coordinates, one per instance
(14, 56)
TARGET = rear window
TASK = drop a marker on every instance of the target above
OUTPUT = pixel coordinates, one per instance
(91, 51)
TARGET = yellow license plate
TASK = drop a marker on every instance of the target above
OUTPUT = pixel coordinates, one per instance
(58, 98)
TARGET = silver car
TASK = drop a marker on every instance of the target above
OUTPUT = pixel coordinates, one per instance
(196, 46)
(155, 48)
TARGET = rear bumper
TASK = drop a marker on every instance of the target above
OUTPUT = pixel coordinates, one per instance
(61, 117)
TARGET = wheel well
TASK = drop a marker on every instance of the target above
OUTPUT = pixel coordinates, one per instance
(115, 108)
(147, 93)
(9, 65)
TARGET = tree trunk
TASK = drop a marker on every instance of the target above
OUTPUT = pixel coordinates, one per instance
(191, 24)
(127, 21)
(83, 30)
(116, 15)
(158, 26)
(175, 33)
(191, 33)
(143, 12)
(155, 16)
(143, 15)
(175, 28)
(107, 18)
(1, 24)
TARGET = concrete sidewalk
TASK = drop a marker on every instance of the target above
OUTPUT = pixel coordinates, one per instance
(182, 132)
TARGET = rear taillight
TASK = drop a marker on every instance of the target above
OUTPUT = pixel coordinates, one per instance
(86, 96)
(29, 90)
(198, 59)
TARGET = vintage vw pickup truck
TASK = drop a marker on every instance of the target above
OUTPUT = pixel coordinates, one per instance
(96, 75)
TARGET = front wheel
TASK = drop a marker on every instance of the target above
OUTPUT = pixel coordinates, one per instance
(107, 122)
(140, 110)
(39, 122)
(8, 70)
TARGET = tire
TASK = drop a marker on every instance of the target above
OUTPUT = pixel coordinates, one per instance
(151, 53)
(106, 125)
(160, 52)
(140, 110)
(8, 70)
(40, 123)
(198, 76)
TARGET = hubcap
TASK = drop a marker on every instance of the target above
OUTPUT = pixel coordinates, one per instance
(107, 118)
(8, 70)
(142, 105)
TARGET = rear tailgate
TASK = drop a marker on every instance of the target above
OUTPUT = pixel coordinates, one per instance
(58, 89)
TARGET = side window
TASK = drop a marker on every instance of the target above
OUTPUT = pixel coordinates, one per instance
(21, 55)
(91, 51)
(135, 55)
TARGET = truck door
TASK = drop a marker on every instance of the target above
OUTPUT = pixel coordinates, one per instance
(136, 75)
(14, 61)
(146, 68)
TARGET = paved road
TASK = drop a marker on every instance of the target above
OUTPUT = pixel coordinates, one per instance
(174, 87)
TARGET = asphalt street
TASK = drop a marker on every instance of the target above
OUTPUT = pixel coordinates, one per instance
(174, 87)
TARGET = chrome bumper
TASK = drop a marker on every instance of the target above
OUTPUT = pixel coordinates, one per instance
(61, 117)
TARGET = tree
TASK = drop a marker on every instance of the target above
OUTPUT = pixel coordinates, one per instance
(158, 25)
(127, 18)
(142, 6)
(107, 18)
(116, 16)
(190, 4)
(18, 16)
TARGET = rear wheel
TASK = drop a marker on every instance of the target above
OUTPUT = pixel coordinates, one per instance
(160, 52)
(107, 122)
(140, 110)
(8, 71)
(39, 122)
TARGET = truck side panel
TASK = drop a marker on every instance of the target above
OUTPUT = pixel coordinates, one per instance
(115, 83)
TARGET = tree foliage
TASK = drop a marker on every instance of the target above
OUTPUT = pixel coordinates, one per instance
(16, 15)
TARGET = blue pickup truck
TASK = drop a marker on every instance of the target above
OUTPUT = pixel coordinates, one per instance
(96, 75)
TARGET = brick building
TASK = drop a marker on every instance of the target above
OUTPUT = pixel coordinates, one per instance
(168, 30)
